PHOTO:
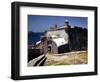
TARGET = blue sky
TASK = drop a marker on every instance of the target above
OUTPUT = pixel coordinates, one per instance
(40, 23)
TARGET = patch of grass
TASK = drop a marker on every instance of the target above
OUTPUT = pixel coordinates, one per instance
(73, 59)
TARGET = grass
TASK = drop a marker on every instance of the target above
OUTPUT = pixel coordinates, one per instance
(71, 58)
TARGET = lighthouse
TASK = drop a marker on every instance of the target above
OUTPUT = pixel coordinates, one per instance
(67, 24)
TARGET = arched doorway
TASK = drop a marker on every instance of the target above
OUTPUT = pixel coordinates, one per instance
(49, 48)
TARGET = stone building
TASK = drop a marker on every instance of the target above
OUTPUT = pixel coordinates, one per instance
(54, 40)
(62, 39)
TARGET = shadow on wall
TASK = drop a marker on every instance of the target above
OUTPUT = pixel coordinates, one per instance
(77, 38)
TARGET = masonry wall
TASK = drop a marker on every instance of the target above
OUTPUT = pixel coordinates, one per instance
(77, 38)
(59, 33)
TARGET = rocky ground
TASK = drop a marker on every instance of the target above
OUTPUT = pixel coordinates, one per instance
(71, 58)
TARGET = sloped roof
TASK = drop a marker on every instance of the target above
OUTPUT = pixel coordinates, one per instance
(60, 41)
(38, 42)
(63, 27)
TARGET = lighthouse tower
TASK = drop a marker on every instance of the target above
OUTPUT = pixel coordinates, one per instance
(67, 24)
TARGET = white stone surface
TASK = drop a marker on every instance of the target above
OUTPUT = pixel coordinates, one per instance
(60, 37)
(60, 41)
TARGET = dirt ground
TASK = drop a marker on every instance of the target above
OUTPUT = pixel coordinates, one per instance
(71, 58)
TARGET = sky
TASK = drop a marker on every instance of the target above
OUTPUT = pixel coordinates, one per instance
(41, 23)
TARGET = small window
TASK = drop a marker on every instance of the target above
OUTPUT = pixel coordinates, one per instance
(49, 42)
(58, 35)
